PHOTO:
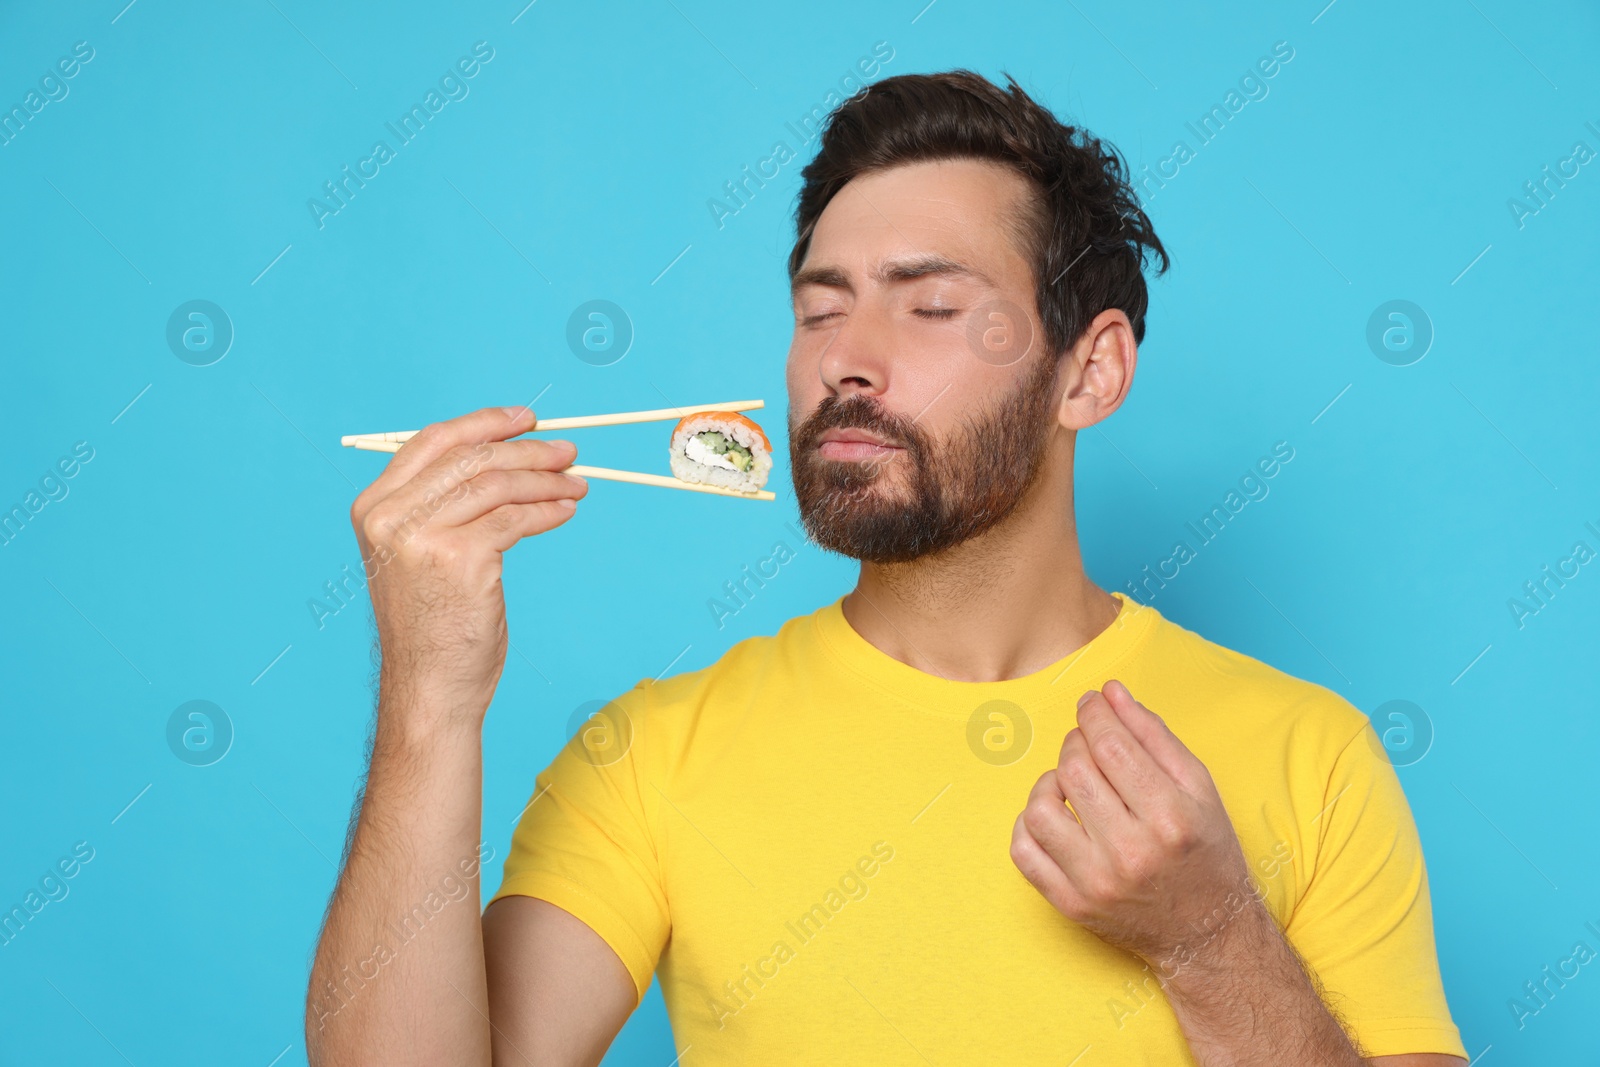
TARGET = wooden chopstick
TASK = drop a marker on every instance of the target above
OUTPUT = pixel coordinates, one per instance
(574, 422)
(585, 471)
(665, 481)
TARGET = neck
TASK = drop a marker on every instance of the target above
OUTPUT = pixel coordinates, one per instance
(1002, 605)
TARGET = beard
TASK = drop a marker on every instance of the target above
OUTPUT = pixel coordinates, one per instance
(955, 489)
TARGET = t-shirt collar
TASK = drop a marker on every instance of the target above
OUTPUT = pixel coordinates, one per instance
(1062, 681)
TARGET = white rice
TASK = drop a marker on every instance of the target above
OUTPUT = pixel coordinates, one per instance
(692, 461)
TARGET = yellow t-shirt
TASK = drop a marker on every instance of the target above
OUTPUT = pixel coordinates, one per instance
(810, 840)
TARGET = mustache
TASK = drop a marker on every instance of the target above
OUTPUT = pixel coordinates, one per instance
(857, 412)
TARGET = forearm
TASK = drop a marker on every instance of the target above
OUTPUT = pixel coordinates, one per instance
(399, 971)
(1245, 1001)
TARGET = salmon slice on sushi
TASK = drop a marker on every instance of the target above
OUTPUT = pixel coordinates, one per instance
(721, 448)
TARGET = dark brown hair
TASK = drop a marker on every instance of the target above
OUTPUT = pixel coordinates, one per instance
(1084, 233)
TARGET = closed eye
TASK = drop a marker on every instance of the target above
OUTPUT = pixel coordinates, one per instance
(936, 313)
(812, 320)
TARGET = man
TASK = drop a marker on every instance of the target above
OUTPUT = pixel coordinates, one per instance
(976, 811)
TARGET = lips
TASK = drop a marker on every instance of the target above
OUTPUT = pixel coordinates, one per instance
(854, 444)
(855, 436)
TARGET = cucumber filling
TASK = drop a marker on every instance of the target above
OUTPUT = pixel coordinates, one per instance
(721, 444)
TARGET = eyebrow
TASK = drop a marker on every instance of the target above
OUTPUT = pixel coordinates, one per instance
(897, 270)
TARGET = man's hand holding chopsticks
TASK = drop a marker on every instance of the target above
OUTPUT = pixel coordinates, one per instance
(432, 529)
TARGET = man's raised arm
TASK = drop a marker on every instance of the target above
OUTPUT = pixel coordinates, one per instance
(400, 978)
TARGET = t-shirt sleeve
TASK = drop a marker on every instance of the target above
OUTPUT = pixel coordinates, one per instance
(584, 841)
(1364, 923)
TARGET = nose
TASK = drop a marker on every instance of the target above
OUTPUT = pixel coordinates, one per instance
(856, 358)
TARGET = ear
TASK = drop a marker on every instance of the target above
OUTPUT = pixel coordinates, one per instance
(1099, 371)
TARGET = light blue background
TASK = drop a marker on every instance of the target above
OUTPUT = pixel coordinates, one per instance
(180, 565)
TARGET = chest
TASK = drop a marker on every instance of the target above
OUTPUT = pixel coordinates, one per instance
(855, 862)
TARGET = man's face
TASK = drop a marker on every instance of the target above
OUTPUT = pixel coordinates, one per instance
(921, 399)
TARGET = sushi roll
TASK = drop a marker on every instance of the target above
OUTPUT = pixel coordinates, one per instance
(720, 448)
